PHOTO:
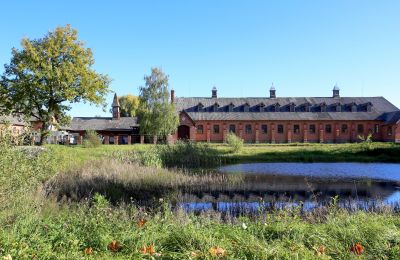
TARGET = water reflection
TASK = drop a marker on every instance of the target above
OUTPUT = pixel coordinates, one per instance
(278, 185)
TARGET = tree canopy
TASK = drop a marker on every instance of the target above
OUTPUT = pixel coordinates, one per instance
(48, 74)
(157, 115)
(129, 104)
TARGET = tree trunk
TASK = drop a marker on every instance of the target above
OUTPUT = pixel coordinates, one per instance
(43, 133)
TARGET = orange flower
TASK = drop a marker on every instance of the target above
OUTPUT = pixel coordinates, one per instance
(88, 251)
(114, 246)
(141, 222)
(321, 250)
(147, 250)
(357, 249)
(217, 251)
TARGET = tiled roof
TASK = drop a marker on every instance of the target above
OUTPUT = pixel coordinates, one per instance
(263, 108)
(101, 123)
(391, 118)
(254, 116)
(13, 120)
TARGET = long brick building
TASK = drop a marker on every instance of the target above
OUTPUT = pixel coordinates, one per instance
(275, 119)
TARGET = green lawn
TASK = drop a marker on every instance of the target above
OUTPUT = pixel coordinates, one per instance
(297, 152)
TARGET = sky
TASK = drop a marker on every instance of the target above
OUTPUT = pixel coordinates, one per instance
(303, 47)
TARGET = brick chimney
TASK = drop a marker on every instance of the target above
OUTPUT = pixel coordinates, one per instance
(172, 96)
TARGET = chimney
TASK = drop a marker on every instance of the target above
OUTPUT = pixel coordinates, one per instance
(172, 96)
(336, 91)
(214, 92)
(115, 108)
(272, 91)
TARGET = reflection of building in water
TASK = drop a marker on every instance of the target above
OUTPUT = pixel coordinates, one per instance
(291, 188)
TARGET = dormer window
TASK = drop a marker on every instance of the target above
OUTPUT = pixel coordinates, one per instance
(277, 107)
(261, 107)
(292, 107)
(215, 107)
(307, 107)
(246, 107)
(323, 107)
(200, 107)
(368, 107)
(230, 107)
(338, 107)
(353, 107)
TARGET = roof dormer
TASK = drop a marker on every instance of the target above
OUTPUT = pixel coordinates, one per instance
(261, 107)
(246, 107)
(215, 107)
(230, 107)
(200, 107)
(323, 107)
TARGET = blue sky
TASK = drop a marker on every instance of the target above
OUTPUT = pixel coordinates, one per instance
(241, 47)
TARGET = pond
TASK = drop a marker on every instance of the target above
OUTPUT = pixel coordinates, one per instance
(308, 185)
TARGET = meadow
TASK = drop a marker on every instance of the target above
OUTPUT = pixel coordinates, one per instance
(40, 220)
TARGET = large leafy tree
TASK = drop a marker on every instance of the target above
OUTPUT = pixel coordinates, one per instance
(47, 75)
(157, 115)
(129, 104)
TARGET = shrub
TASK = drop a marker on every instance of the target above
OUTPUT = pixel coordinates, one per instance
(92, 139)
(234, 142)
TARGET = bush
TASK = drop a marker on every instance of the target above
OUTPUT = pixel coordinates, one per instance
(234, 142)
(92, 139)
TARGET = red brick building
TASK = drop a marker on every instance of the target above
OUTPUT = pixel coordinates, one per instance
(275, 119)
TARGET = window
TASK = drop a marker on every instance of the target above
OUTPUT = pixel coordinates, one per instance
(216, 129)
(296, 129)
(344, 129)
(264, 129)
(312, 129)
(248, 129)
(280, 129)
(376, 129)
(200, 129)
(246, 108)
(328, 129)
(360, 128)
(232, 128)
(390, 131)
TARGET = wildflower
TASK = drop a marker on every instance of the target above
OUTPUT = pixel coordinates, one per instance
(244, 226)
(7, 257)
(321, 250)
(141, 222)
(217, 251)
(147, 250)
(161, 200)
(195, 254)
(88, 251)
(114, 246)
(357, 249)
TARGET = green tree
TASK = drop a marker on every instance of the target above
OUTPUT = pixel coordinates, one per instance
(129, 105)
(157, 115)
(48, 74)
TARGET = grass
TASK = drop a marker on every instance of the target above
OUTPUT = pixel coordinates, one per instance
(35, 225)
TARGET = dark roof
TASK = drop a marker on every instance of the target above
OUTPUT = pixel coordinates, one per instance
(115, 102)
(391, 118)
(379, 106)
(282, 116)
(101, 123)
(13, 120)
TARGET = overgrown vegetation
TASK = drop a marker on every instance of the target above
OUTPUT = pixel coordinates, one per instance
(37, 226)
(234, 142)
(91, 139)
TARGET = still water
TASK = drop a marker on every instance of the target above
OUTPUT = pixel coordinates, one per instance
(277, 185)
